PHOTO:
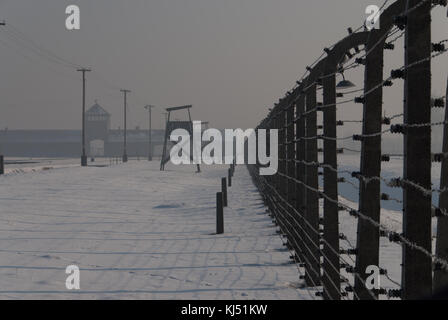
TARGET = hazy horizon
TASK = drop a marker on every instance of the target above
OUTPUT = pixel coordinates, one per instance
(231, 59)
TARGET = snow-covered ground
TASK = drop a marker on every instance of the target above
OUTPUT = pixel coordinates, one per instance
(136, 232)
(26, 165)
(390, 253)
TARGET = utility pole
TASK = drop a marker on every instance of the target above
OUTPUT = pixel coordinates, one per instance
(331, 263)
(125, 93)
(2, 165)
(368, 235)
(149, 108)
(83, 155)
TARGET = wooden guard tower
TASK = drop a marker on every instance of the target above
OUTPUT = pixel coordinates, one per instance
(173, 125)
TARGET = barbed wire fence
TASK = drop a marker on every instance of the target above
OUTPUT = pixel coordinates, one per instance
(307, 212)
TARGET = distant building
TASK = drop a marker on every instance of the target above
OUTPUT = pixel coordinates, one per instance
(101, 140)
(97, 130)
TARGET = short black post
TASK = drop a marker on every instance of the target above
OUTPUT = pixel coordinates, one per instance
(224, 191)
(230, 178)
(219, 214)
(2, 165)
(83, 161)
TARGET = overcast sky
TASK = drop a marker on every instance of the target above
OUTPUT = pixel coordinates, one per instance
(231, 59)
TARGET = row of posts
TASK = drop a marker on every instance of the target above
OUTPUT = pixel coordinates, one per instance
(222, 199)
(297, 182)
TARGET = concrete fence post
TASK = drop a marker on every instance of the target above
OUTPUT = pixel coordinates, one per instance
(312, 196)
(331, 278)
(441, 276)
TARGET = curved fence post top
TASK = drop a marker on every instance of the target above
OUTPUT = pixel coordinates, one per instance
(359, 38)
